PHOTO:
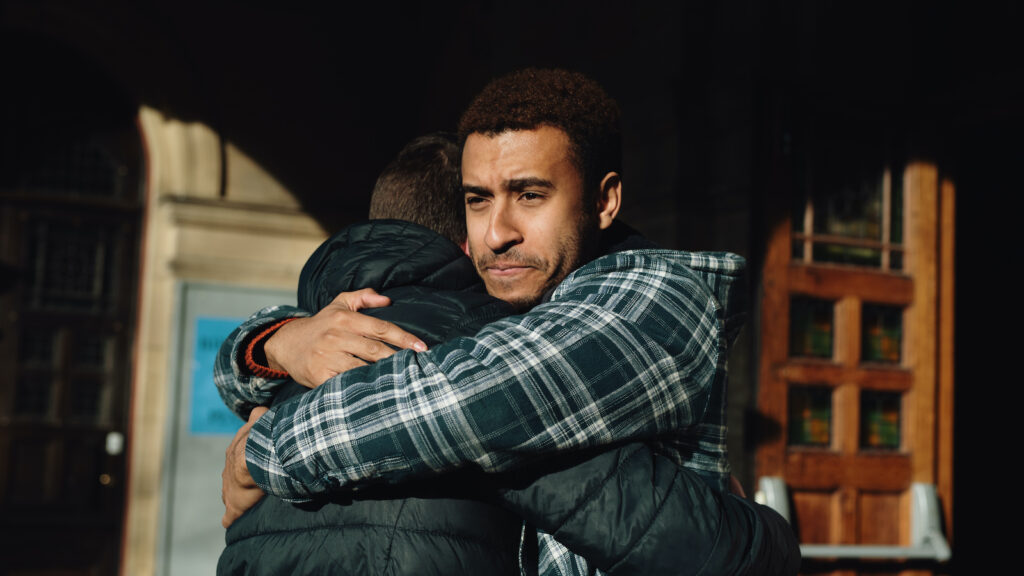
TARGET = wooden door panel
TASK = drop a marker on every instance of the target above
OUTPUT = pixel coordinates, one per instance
(848, 371)
(806, 469)
(812, 514)
(879, 517)
(33, 473)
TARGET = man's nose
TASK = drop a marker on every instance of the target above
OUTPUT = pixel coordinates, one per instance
(502, 230)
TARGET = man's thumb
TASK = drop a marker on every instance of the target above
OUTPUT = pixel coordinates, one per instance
(365, 298)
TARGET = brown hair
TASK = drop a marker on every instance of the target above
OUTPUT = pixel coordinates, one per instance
(422, 185)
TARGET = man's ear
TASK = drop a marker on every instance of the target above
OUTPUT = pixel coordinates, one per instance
(609, 199)
(465, 246)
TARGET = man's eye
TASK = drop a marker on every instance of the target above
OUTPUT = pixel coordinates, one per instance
(474, 200)
(531, 196)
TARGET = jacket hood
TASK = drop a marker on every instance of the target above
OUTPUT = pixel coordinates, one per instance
(725, 274)
(383, 254)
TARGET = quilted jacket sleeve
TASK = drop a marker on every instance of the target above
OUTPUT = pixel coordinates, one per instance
(632, 511)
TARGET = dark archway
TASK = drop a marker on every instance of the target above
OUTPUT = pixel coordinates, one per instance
(71, 198)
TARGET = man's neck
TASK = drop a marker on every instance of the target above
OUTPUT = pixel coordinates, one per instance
(620, 237)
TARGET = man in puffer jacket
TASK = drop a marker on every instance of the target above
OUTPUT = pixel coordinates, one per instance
(448, 528)
(665, 518)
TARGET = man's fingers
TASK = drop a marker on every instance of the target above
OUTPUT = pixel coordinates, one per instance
(368, 348)
(321, 376)
(230, 514)
(376, 331)
(247, 498)
(370, 327)
(365, 298)
(239, 491)
(335, 339)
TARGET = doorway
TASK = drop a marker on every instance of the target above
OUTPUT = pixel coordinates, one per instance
(71, 197)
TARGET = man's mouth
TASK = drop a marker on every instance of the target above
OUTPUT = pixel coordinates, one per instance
(507, 265)
(506, 268)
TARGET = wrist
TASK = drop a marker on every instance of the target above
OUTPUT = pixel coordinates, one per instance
(259, 359)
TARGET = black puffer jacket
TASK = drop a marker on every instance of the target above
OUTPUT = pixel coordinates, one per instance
(633, 511)
(437, 295)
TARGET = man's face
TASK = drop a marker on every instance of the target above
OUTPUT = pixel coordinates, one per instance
(527, 219)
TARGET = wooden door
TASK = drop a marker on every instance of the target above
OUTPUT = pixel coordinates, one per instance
(69, 236)
(852, 326)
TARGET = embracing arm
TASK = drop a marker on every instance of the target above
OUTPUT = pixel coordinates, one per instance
(240, 389)
(335, 339)
(627, 348)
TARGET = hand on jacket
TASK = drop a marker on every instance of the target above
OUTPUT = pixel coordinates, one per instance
(238, 490)
(313, 350)
(735, 487)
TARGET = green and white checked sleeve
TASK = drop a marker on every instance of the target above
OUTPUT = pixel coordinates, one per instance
(627, 348)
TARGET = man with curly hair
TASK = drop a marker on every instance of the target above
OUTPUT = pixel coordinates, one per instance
(618, 341)
(542, 152)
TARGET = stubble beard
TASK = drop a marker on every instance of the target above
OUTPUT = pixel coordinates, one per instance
(574, 250)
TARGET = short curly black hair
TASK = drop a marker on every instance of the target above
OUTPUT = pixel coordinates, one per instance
(563, 99)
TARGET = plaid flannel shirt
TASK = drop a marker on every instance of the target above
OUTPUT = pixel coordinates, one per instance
(629, 346)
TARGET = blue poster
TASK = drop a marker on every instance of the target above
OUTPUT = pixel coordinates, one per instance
(209, 414)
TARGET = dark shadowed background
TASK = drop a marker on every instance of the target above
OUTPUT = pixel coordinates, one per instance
(322, 97)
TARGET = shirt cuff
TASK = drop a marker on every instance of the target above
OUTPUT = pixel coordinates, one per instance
(256, 358)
